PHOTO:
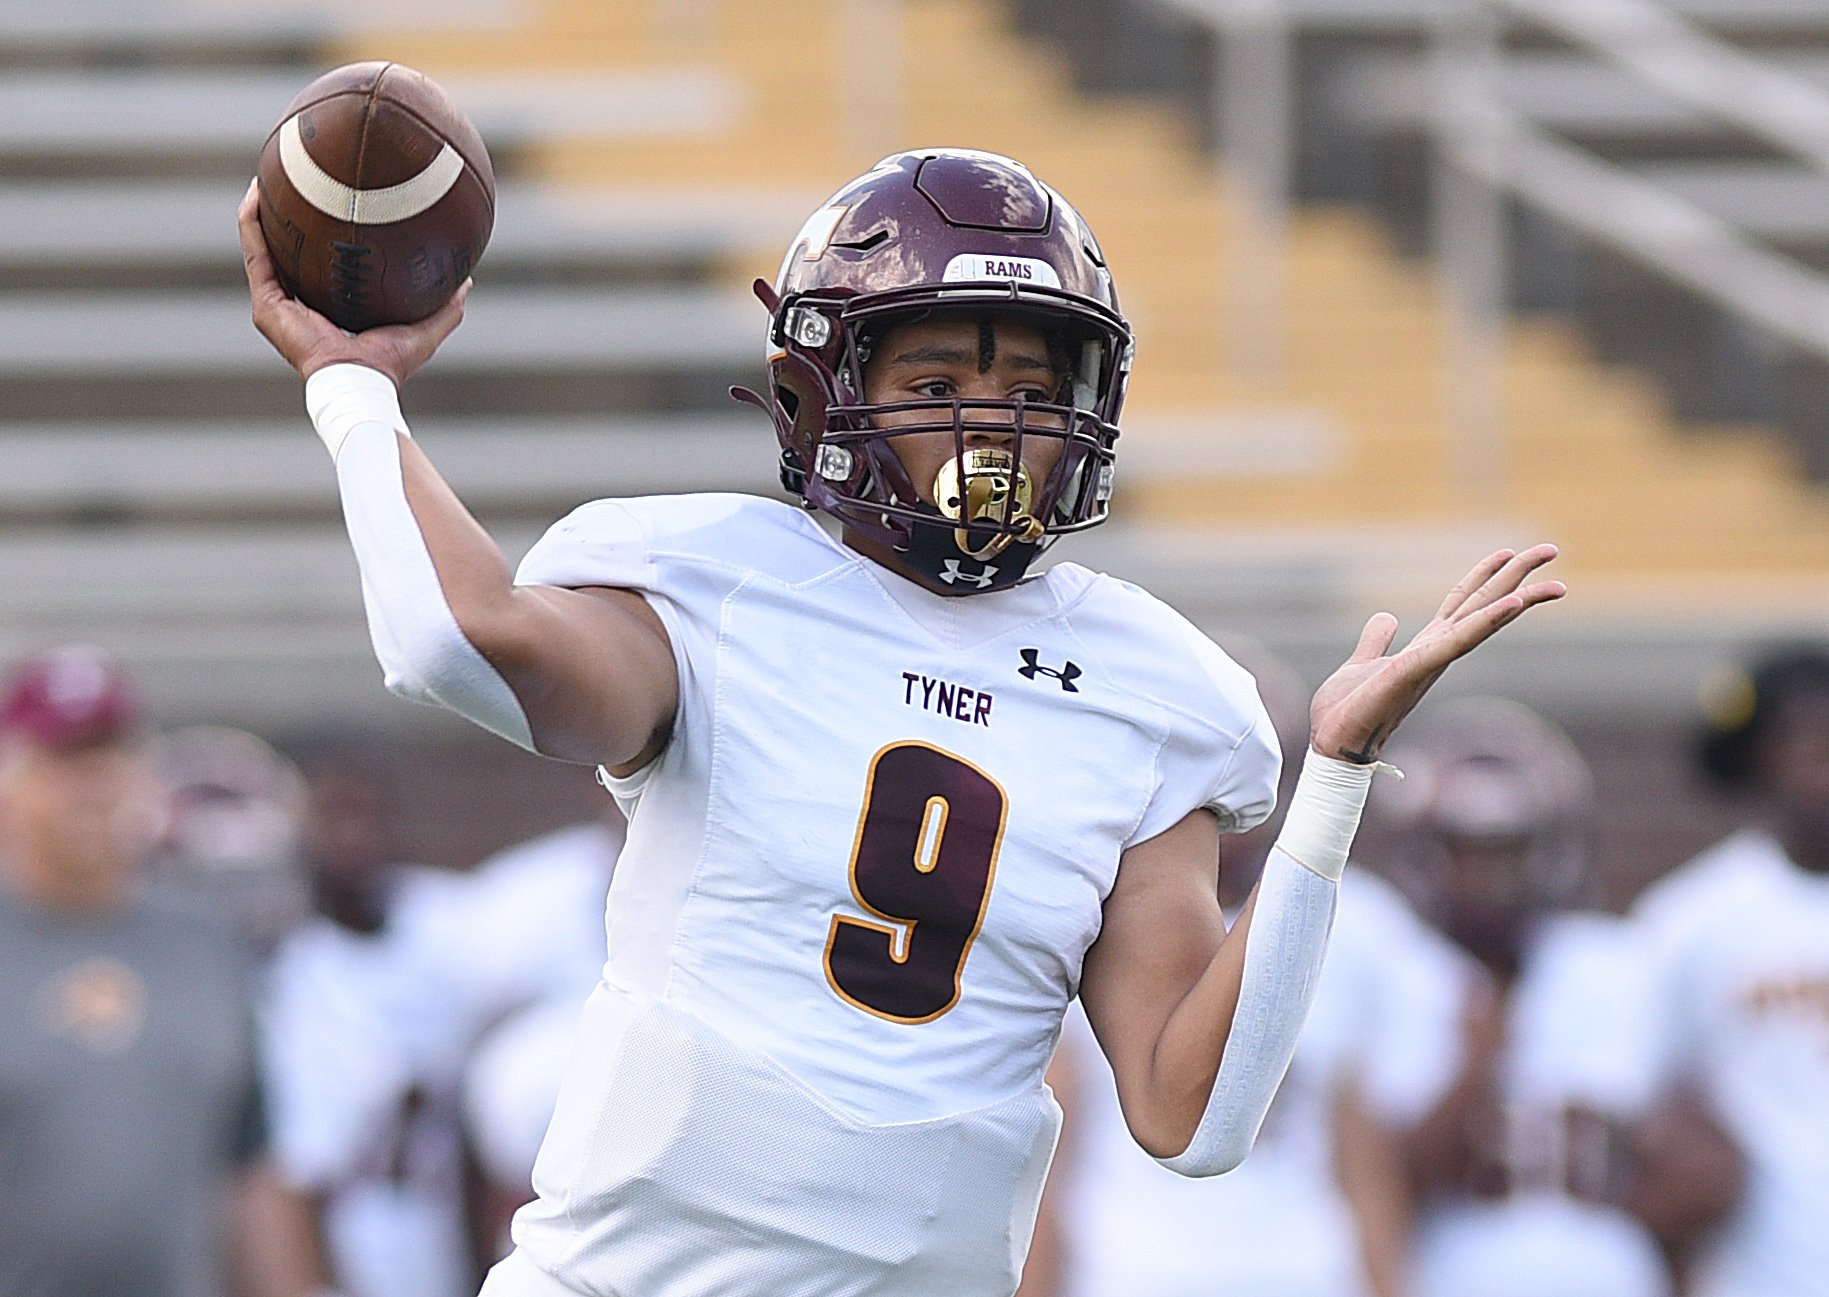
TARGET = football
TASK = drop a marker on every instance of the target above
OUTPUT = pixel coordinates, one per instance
(376, 196)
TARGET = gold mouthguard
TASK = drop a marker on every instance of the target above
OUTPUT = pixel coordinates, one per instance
(990, 477)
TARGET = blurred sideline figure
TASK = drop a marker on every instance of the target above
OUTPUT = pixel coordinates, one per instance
(375, 1006)
(231, 840)
(532, 936)
(1321, 1207)
(131, 1126)
(1515, 1164)
(362, 1060)
(1739, 977)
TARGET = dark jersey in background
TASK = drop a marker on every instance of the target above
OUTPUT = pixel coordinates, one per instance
(128, 1098)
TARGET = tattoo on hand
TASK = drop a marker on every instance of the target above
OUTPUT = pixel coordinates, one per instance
(1366, 754)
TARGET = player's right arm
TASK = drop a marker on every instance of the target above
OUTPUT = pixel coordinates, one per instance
(582, 675)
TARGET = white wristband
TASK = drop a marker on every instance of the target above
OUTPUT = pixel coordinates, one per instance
(341, 398)
(1324, 814)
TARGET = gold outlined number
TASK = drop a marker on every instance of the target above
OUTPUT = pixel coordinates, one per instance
(921, 868)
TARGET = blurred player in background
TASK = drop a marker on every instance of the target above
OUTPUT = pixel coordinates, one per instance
(883, 791)
(1739, 1003)
(1517, 1165)
(375, 1008)
(528, 946)
(1322, 1207)
(131, 1127)
(231, 840)
(363, 1055)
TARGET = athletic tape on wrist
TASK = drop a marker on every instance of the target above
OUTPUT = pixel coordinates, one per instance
(341, 398)
(1324, 813)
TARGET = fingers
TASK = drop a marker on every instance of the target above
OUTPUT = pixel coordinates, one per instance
(265, 295)
(430, 333)
(400, 349)
(1375, 639)
(446, 318)
(254, 256)
(1542, 592)
(1482, 572)
(1509, 576)
(1477, 626)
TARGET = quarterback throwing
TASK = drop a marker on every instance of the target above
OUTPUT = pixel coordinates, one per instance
(894, 797)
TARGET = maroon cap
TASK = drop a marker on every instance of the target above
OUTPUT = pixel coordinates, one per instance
(67, 697)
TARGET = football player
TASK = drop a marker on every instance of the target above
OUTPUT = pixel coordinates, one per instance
(1523, 1191)
(1740, 993)
(893, 798)
(362, 1059)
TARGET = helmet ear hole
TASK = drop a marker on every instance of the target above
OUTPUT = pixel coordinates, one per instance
(805, 414)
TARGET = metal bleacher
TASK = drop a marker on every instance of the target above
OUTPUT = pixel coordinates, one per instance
(1676, 446)
(1718, 108)
(161, 492)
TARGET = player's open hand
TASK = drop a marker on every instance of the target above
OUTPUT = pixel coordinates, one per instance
(1357, 708)
(309, 341)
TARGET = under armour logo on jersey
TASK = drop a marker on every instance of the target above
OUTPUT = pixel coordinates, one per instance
(1067, 674)
(953, 575)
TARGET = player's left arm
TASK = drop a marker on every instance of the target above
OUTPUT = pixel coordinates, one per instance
(277, 1237)
(1199, 1023)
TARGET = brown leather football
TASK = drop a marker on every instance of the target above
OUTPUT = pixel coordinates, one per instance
(376, 196)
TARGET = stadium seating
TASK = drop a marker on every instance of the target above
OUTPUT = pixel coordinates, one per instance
(654, 158)
(1651, 512)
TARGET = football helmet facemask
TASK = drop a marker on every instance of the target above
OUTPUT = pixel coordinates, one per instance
(943, 232)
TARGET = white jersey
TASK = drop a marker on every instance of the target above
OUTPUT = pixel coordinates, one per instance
(512, 1084)
(1740, 1002)
(1564, 1063)
(1387, 1013)
(527, 951)
(526, 926)
(361, 1090)
(854, 900)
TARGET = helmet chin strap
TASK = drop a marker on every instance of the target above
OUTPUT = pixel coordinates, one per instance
(933, 552)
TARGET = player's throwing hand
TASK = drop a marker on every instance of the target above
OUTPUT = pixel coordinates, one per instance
(309, 341)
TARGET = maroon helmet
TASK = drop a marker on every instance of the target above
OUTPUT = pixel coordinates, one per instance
(946, 231)
(1496, 809)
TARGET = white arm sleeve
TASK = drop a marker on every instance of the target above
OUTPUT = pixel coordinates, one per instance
(423, 653)
(1283, 952)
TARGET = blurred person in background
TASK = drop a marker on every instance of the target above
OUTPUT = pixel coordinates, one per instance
(1321, 1208)
(375, 1008)
(362, 1058)
(528, 941)
(1516, 1167)
(1738, 971)
(131, 1123)
(235, 809)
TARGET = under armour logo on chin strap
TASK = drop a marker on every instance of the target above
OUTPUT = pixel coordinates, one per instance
(952, 575)
(1066, 675)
